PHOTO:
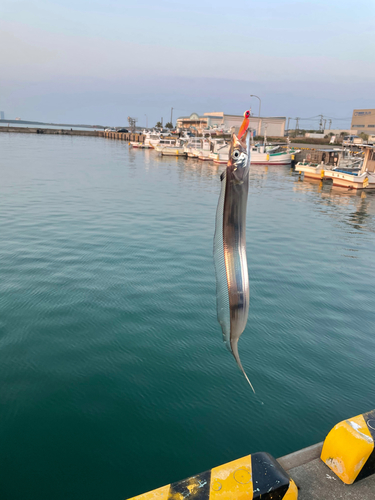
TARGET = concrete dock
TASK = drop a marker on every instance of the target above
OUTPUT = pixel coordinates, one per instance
(136, 137)
(315, 481)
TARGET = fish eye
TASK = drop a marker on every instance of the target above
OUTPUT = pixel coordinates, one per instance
(235, 154)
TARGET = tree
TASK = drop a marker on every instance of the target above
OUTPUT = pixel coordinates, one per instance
(169, 125)
(363, 136)
(159, 125)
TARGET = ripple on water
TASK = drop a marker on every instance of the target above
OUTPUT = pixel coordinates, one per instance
(111, 357)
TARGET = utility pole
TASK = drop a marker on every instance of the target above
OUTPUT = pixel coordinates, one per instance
(161, 122)
(320, 123)
(288, 125)
(330, 123)
(325, 121)
(260, 121)
(172, 116)
(297, 123)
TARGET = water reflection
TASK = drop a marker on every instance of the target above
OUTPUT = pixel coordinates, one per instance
(353, 208)
(198, 168)
(359, 205)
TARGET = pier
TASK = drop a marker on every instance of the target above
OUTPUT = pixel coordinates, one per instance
(137, 137)
(340, 468)
(315, 481)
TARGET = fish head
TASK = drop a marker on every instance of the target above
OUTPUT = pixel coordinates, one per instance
(239, 157)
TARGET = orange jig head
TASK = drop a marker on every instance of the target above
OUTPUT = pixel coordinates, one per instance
(245, 124)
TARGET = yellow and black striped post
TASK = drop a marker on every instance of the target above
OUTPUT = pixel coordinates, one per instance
(256, 476)
(348, 449)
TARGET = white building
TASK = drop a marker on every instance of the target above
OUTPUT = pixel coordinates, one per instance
(275, 126)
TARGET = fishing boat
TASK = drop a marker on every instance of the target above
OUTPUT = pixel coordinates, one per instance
(193, 143)
(202, 150)
(268, 154)
(265, 155)
(155, 139)
(209, 153)
(173, 151)
(362, 177)
(320, 161)
(165, 142)
(204, 155)
(140, 145)
(219, 151)
(176, 149)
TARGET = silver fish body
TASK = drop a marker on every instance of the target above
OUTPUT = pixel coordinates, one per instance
(232, 276)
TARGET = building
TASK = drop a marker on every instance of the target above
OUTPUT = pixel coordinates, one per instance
(363, 120)
(275, 126)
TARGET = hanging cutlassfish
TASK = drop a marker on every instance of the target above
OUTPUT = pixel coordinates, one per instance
(232, 276)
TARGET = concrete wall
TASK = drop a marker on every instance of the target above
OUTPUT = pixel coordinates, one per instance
(51, 131)
(312, 135)
(136, 137)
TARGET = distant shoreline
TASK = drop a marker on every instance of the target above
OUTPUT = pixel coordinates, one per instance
(27, 122)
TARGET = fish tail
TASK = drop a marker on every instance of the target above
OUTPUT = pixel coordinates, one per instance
(234, 346)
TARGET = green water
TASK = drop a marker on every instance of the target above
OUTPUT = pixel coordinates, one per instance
(113, 376)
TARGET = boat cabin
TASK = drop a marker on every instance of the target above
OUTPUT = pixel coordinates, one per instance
(369, 159)
(326, 156)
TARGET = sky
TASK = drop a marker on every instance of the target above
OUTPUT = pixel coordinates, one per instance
(98, 62)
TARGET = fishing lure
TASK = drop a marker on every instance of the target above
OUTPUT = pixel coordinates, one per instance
(232, 276)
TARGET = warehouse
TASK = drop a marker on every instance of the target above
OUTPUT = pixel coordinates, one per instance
(275, 126)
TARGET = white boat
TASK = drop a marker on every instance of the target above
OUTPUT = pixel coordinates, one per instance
(193, 143)
(152, 138)
(205, 151)
(140, 145)
(165, 142)
(202, 150)
(210, 147)
(260, 155)
(319, 161)
(173, 151)
(219, 151)
(176, 149)
(272, 154)
(355, 178)
(155, 138)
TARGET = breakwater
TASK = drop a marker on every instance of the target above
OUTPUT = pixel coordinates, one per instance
(63, 131)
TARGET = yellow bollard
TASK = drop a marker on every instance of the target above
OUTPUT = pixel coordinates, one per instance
(348, 449)
(253, 477)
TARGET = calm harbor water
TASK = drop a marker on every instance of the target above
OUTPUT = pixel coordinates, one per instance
(113, 376)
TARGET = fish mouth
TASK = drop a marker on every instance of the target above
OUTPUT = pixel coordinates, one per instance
(245, 141)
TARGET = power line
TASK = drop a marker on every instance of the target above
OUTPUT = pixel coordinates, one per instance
(333, 118)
